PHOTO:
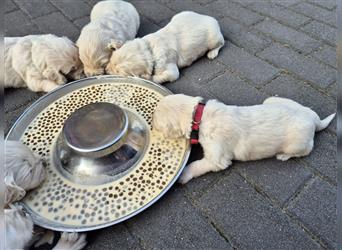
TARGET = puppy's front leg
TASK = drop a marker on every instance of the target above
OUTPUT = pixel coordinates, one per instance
(195, 169)
(215, 159)
(170, 74)
(36, 82)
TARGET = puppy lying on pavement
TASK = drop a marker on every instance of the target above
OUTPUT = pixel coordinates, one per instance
(279, 127)
(112, 23)
(40, 62)
(158, 56)
(23, 172)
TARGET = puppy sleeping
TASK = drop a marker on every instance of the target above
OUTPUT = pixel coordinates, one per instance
(279, 127)
(40, 62)
(112, 23)
(158, 56)
(23, 172)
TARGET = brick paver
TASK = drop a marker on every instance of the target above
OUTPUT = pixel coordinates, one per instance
(274, 47)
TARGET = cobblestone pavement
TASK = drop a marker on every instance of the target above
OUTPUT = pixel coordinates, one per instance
(273, 47)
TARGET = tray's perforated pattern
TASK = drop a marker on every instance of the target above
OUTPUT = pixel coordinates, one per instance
(70, 204)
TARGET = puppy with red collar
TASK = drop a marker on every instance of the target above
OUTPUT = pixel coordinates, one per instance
(279, 127)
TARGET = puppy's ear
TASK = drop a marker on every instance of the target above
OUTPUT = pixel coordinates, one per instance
(13, 191)
(114, 44)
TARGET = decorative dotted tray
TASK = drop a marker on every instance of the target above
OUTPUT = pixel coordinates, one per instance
(60, 204)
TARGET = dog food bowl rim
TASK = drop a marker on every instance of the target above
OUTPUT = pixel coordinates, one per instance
(54, 226)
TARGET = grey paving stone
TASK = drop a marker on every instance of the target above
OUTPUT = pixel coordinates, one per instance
(316, 208)
(196, 187)
(56, 23)
(316, 12)
(73, 9)
(203, 70)
(146, 27)
(181, 5)
(253, 68)
(81, 22)
(304, 66)
(242, 37)
(174, 213)
(327, 54)
(333, 90)
(15, 98)
(288, 35)
(235, 11)
(35, 8)
(10, 6)
(286, 3)
(288, 87)
(12, 116)
(323, 155)
(153, 10)
(231, 90)
(279, 13)
(186, 86)
(279, 180)
(249, 220)
(18, 24)
(321, 31)
(114, 237)
(329, 4)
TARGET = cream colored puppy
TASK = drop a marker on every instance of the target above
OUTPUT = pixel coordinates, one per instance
(40, 62)
(24, 171)
(159, 55)
(279, 127)
(112, 23)
(19, 232)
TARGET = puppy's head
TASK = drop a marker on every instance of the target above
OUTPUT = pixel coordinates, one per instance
(57, 58)
(28, 171)
(95, 49)
(132, 59)
(173, 115)
(19, 228)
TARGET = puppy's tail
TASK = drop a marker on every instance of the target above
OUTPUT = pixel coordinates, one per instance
(322, 124)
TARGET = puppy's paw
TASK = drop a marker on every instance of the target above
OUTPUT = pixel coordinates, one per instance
(212, 54)
(71, 241)
(185, 177)
(283, 157)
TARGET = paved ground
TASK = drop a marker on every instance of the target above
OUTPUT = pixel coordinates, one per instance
(272, 47)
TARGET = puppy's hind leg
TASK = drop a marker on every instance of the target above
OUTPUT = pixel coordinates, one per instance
(169, 75)
(212, 54)
(298, 150)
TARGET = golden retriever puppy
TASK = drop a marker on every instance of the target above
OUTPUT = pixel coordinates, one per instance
(24, 171)
(40, 62)
(279, 127)
(112, 23)
(159, 55)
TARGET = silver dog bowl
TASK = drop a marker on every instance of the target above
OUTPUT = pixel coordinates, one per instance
(105, 162)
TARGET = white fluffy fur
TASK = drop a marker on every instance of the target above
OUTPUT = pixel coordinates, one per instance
(279, 127)
(19, 228)
(112, 23)
(187, 37)
(40, 62)
(24, 171)
(71, 241)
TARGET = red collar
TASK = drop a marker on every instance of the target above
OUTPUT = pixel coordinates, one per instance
(196, 121)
